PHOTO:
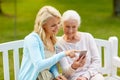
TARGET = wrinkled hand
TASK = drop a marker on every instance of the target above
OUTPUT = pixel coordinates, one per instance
(79, 62)
(61, 77)
(81, 78)
(71, 53)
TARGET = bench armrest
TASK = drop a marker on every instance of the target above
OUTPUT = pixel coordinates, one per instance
(116, 61)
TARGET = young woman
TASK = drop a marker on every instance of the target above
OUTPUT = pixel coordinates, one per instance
(39, 57)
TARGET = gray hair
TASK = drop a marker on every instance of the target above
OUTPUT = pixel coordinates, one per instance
(71, 14)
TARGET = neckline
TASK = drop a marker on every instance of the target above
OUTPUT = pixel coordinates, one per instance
(79, 33)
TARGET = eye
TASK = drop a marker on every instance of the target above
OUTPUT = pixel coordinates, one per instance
(53, 25)
(73, 26)
(67, 26)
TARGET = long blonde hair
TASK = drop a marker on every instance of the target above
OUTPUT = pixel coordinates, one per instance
(43, 14)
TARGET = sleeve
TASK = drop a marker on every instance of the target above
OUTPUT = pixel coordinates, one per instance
(54, 70)
(35, 52)
(66, 67)
(95, 58)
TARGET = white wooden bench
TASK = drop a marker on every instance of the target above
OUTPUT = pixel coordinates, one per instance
(108, 51)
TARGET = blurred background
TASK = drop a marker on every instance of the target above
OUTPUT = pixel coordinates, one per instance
(101, 18)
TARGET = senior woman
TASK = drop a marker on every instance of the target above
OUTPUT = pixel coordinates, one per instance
(88, 68)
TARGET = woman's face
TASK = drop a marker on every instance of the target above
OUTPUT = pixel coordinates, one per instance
(70, 27)
(51, 26)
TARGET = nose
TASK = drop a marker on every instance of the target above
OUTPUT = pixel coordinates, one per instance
(70, 30)
(56, 28)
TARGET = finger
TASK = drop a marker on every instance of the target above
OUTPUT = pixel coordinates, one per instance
(82, 62)
(76, 51)
(79, 59)
(79, 78)
(57, 78)
(84, 56)
(82, 59)
(73, 54)
(63, 78)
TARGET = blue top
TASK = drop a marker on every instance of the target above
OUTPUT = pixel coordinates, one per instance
(34, 61)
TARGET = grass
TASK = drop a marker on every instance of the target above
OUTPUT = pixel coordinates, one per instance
(96, 18)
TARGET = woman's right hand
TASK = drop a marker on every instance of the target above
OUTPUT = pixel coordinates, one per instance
(71, 53)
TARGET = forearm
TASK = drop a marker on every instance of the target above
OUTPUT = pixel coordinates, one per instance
(66, 67)
(47, 63)
(54, 71)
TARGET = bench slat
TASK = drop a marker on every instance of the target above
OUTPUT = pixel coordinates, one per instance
(16, 62)
(6, 65)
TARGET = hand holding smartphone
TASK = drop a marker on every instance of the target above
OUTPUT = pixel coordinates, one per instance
(82, 53)
(80, 61)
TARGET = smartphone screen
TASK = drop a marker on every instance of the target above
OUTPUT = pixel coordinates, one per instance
(82, 53)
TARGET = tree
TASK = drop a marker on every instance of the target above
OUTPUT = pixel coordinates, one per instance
(116, 9)
(1, 7)
(1, 12)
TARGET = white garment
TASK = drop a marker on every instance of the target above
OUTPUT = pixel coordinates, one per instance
(92, 64)
(97, 77)
(46, 74)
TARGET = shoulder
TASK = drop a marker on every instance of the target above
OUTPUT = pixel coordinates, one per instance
(31, 35)
(32, 38)
(86, 34)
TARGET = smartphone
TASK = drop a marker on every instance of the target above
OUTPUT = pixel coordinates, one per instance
(82, 53)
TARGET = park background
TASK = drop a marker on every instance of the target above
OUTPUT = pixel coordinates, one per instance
(17, 19)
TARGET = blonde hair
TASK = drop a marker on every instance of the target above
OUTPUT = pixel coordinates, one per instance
(71, 14)
(43, 14)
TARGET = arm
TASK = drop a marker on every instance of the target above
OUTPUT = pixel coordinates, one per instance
(54, 71)
(36, 51)
(66, 67)
(95, 58)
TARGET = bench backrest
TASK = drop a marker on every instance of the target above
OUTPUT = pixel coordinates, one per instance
(4, 48)
(107, 49)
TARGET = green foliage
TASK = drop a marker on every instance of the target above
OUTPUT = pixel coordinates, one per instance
(96, 16)
(7, 1)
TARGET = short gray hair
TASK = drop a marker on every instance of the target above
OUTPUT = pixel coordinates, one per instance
(71, 14)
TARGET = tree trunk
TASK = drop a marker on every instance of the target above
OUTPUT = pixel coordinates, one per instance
(0, 7)
(116, 4)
